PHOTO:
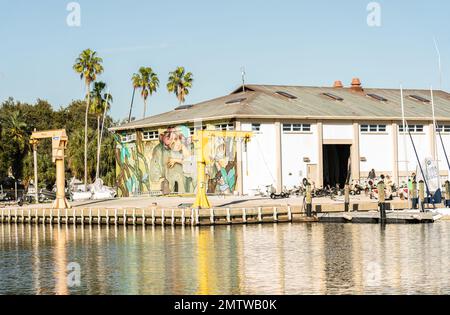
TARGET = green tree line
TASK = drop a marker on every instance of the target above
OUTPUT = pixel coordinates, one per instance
(18, 120)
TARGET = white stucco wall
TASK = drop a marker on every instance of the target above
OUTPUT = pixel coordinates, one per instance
(423, 147)
(338, 131)
(261, 156)
(378, 149)
(296, 147)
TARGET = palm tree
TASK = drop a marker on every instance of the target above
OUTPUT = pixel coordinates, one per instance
(16, 128)
(100, 104)
(179, 83)
(89, 66)
(147, 81)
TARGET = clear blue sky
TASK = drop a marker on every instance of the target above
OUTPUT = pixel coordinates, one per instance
(279, 42)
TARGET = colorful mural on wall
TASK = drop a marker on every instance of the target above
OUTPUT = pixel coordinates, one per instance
(167, 163)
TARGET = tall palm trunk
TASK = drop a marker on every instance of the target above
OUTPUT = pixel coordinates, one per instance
(145, 107)
(97, 172)
(86, 134)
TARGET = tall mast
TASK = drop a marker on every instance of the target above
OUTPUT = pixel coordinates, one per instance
(435, 147)
(405, 128)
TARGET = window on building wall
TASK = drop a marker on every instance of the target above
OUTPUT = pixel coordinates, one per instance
(128, 137)
(443, 128)
(150, 135)
(373, 128)
(256, 127)
(412, 128)
(225, 127)
(296, 128)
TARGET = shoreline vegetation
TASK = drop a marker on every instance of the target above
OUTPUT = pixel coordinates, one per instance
(91, 149)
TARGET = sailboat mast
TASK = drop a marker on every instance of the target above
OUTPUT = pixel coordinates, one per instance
(405, 128)
(435, 146)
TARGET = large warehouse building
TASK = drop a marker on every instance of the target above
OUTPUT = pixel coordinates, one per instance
(319, 133)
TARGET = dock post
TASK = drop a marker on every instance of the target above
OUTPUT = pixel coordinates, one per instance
(36, 217)
(99, 217)
(422, 195)
(308, 200)
(153, 217)
(143, 217)
(259, 214)
(173, 217)
(90, 216)
(163, 216)
(192, 217)
(107, 216)
(183, 216)
(23, 216)
(67, 216)
(275, 214)
(228, 215)
(244, 215)
(74, 214)
(212, 218)
(347, 197)
(382, 201)
(82, 216)
(59, 217)
(414, 197)
(447, 194)
(116, 217)
(197, 216)
(290, 214)
(51, 216)
(125, 218)
(29, 216)
(134, 216)
(9, 216)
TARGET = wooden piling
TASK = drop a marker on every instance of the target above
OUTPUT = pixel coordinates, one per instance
(260, 214)
(347, 198)
(422, 195)
(447, 194)
(308, 200)
(382, 201)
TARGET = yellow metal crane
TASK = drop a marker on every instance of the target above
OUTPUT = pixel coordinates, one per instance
(201, 140)
(59, 145)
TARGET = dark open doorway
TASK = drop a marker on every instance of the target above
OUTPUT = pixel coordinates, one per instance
(336, 164)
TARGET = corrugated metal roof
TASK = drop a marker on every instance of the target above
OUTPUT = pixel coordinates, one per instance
(262, 101)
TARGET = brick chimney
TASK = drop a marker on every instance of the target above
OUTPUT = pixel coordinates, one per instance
(338, 84)
(356, 85)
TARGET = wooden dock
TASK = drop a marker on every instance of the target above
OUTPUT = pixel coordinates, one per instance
(198, 217)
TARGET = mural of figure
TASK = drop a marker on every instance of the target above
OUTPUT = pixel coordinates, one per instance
(168, 165)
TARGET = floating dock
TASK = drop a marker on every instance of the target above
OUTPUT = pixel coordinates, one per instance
(200, 217)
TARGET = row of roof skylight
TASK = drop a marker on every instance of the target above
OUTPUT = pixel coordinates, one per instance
(335, 97)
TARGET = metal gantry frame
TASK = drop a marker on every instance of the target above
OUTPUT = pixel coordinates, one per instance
(59, 145)
(201, 140)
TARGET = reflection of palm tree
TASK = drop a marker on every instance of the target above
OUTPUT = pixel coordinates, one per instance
(101, 102)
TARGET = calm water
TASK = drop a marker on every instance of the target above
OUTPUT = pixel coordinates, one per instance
(269, 259)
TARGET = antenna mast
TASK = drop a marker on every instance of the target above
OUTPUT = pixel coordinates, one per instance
(439, 62)
(243, 78)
